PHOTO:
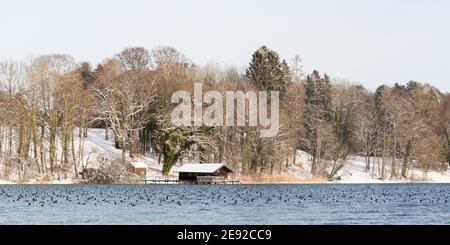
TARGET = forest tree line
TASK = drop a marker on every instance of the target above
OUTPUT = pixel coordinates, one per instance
(48, 104)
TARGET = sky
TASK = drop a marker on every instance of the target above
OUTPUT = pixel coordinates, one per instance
(371, 42)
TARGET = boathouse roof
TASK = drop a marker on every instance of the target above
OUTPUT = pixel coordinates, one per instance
(139, 165)
(202, 168)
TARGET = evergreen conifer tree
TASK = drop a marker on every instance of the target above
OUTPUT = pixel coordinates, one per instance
(268, 71)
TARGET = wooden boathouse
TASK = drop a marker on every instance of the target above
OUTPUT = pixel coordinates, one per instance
(207, 173)
(139, 168)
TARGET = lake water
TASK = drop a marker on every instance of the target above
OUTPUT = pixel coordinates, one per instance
(225, 204)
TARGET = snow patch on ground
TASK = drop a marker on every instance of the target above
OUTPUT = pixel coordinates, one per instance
(96, 147)
(4, 182)
(354, 172)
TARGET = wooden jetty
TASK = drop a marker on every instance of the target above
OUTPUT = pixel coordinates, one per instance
(215, 180)
(161, 180)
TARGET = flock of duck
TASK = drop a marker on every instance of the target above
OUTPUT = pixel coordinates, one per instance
(245, 195)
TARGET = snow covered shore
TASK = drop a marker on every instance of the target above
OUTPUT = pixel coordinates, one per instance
(96, 147)
(354, 172)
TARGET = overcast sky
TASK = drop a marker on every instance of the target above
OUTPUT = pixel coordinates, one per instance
(367, 41)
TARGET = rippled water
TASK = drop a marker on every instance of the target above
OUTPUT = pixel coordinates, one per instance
(225, 204)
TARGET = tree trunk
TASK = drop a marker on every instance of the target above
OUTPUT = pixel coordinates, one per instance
(394, 159)
(368, 152)
(123, 146)
(1, 143)
(406, 158)
(52, 148)
(106, 131)
(9, 152)
(383, 161)
(373, 164)
(294, 161)
(42, 150)
(74, 158)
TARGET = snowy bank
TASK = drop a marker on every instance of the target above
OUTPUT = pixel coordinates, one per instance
(354, 172)
(97, 151)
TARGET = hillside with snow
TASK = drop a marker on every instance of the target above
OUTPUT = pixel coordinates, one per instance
(354, 172)
(99, 151)
(96, 148)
